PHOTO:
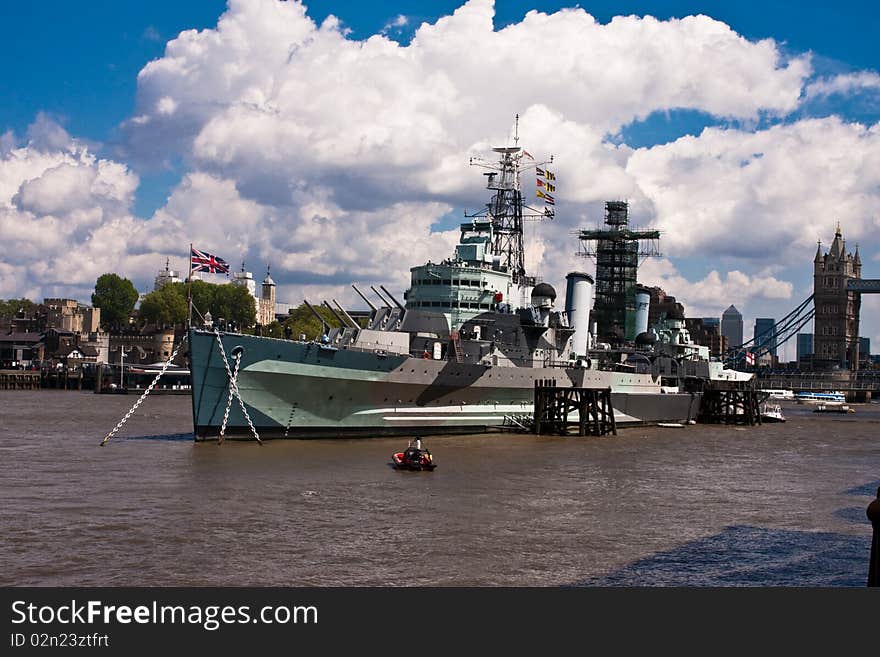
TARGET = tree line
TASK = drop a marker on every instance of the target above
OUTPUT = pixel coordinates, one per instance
(11, 308)
(168, 307)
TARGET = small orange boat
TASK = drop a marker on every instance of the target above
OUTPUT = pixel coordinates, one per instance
(414, 457)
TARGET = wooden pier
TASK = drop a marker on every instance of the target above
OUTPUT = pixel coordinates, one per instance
(553, 404)
(730, 402)
(19, 380)
(67, 380)
(37, 379)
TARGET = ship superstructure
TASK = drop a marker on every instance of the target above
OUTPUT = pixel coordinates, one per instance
(487, 271)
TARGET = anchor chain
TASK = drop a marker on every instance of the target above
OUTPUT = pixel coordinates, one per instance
(146, 392)
(233, 387)
(229, 397)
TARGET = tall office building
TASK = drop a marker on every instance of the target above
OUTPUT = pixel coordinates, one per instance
(804, 345)
(732, 326)
(764, 336)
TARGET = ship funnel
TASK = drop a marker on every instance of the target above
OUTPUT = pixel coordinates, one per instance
(643, 303)
(578, 302)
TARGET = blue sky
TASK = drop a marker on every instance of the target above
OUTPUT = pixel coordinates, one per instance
(77, 65)
(79, 61)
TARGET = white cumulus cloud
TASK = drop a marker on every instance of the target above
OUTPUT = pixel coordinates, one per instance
(64, 216)
(764, 195)
(708, 296)
(366, 141)
(395, 24)
(272, 98)
(845, 83)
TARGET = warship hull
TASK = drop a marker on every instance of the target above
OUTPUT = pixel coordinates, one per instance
(309, 390)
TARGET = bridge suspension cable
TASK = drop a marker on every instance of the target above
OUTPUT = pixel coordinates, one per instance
(782, 332)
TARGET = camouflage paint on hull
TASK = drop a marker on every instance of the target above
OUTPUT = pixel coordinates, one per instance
(298, 389)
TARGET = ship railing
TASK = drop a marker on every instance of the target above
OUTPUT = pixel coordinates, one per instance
(820, 382)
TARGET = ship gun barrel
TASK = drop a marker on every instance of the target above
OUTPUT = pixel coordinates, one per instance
(390, 296)
(338, 318)
(362, 296)
(315, 313)
(385, 301)
(353, 323)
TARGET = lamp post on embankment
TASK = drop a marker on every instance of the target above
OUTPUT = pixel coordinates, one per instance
(122, 351)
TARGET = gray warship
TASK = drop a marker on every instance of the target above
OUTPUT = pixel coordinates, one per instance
(460, 354)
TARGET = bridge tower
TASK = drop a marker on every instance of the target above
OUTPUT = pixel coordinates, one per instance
(836, 322)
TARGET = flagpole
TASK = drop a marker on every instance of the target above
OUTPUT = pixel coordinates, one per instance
(190, 291)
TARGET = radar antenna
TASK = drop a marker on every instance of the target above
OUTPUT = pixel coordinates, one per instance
(506, 208)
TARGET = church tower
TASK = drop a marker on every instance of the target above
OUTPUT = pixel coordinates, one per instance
(836, 322)
(266, 305)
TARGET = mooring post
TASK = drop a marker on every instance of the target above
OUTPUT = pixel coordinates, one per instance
(873, 513)
(540, 405)
(536, 420)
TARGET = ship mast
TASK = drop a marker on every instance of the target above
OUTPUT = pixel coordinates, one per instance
(506, 207)
(617, 250)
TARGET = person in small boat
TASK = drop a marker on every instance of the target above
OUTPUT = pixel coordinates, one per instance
(414, 451)
(411, 452)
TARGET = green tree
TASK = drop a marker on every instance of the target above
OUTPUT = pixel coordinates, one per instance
(165, 306)
(302, 320)
(10, 309)
(115, 296)
(234, 303)
(203, 298)
(231, 303)
(273, 330)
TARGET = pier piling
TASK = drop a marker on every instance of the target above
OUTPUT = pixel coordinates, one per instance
(730, 402)
(553, 405)
(19, 380)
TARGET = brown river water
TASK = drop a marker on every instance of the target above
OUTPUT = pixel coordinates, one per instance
(774, 505)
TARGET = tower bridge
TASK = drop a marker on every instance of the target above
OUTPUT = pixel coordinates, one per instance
(834, 308)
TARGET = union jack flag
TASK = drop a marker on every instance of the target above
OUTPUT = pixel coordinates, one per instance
(201, 261)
